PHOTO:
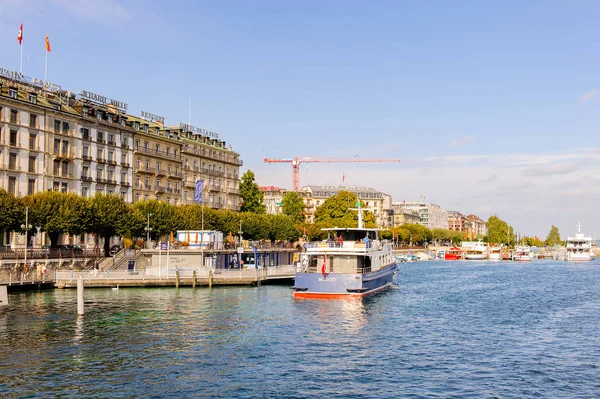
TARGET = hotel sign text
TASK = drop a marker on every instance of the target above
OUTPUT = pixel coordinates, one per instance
(153, 118)
(198, 130)
(97, 98)
(34, 83)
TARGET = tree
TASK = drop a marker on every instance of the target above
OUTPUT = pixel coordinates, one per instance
(553, 237)
(12, 211)
(254, 226)
(336, 212)
(109, 215)
(282, 228)
(163, 219)
(418, 233)
(57, 213)
(498, 231)
(293, 206)
(251, 196)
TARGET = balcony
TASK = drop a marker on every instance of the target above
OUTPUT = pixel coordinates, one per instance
(101, 180)
(125, 146)
(146, 187)
(187, 167)
(160, 154)
(56, 154)
(86, 137)
(112, 162)
(145, 169)
(189, 184)
(111, 142)
(213, 187)
(101, 160)
(86, 178)
(159, 189)
(125, 165)
(125, 183)
(100, 141)
(161, 172)
(176, 174)
(86, 157)
(233, 190)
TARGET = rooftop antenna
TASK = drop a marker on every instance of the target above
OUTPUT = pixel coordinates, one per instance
(578, 227)
(190, 112)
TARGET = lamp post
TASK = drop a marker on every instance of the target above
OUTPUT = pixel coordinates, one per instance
(26, 227)
(239, 253)
(148, 230)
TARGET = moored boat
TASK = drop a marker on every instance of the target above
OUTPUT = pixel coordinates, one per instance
(522, 254)
(474, 250)
(495, 254)
(353, 262)
(579, 248)
(454, 253)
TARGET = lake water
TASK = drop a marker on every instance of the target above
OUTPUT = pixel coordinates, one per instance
(453, 329)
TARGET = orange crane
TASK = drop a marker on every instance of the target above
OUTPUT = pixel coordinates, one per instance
(296, 161)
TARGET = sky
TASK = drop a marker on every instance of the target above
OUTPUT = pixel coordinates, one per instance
(492, 107)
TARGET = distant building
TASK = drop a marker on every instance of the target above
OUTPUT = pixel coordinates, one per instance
(430, 215)
(479, 228)
(273, 198)
(404, 216)
(377, 202)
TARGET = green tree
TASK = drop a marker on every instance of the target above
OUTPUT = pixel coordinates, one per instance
(12, 212)
(498, 231)
(553, 237)
(251, 196)
(293, 206)
(57, 213)
(282, 228)
(255, 226)
(163, 218)
(109, 215)
(336, 212)
(418, 233)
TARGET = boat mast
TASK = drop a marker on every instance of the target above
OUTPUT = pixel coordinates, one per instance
(360, 215)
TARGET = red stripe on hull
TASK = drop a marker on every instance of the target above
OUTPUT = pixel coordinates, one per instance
(324, 295)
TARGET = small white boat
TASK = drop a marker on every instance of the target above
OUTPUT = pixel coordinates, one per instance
(522, 254)
(579, 248)
(474, 250)
(495, 254)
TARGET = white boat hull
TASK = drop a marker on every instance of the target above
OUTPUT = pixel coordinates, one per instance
(579, 257)
(523, 258)
(475, 256)
(495, 257)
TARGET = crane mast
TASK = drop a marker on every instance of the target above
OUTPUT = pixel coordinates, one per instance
(296, 161)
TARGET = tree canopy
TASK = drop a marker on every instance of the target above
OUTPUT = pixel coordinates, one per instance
(336, 212)
(12, 211)
(293, 206)
(553, 237)
(251, 196)
(109, 217)
(498, 231)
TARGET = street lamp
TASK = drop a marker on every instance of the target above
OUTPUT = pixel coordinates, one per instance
(26, 227)
(148, 229)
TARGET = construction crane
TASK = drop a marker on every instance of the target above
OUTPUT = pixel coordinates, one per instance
(296, 161)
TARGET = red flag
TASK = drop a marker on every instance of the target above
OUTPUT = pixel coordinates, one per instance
(47, 44)
(343, 177)
(324, 266)
(20, 37)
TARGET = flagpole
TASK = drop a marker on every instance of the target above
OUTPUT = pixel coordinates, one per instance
(46, 68)
(21, 67)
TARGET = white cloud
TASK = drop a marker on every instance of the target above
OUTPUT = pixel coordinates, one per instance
(588, 96)
(560, 168)
(107, 12)
(461, 141)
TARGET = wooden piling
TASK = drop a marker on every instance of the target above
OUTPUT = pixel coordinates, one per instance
(80, 296)
(194, 279)
(210, 278)
(176, 278)
(3, 295)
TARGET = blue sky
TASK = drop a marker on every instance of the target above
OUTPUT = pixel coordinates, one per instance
(492, 106)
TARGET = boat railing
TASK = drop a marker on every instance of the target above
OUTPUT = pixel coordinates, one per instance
(344, 246)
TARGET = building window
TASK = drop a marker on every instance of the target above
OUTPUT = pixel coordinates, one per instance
(168, 151)
(31, 187)
(32, 140)
(123, 121)
(65, 127)
(111, 139)
(169, 169)
(156, 130)
(12, 161)
(84, 192)
(32, 120)
(137, 197)
(84, 172)
(158, 166)
(147, 165)
(12, 185)
(13, 138)
(32, 164)
(110, 118)
(13, 116)
(65, 168)
(123, 158)
(56, 168)
(33, 98)
(146, 128)
(85, 133)
(64, 187)
(12, 93)
(100, 154)
(100, 137)
(157, 148)
(110, 156)
(137, 126)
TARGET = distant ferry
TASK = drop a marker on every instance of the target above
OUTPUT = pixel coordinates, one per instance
(579, 248)
(353, 262)
(474, 250)
(495, 254)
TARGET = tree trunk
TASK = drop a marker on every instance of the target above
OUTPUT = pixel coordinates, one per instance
(107, 245)
(53, 239)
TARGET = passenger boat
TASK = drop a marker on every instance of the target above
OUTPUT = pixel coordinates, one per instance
(454, 253)
(474, 250)
(353, 262)
(522, 254)
(579, 248)
(495, 254)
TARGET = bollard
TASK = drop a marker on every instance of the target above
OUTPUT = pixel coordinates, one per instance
(3, 295)
(194, 279)
(210, 278)
(80, 296)
(176, 278)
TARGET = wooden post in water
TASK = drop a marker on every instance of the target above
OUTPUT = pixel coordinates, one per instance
(80, 296)
(176, 278)
(194, 279)
(3, 295)
(210, 278)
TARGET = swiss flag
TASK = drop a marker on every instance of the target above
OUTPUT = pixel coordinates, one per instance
(20, 37)
(324, 267)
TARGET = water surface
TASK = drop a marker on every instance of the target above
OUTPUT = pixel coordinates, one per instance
(447, 329)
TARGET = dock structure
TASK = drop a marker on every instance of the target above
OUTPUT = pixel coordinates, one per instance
(176, 278)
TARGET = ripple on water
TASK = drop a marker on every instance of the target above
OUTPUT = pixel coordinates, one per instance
(460, 329)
